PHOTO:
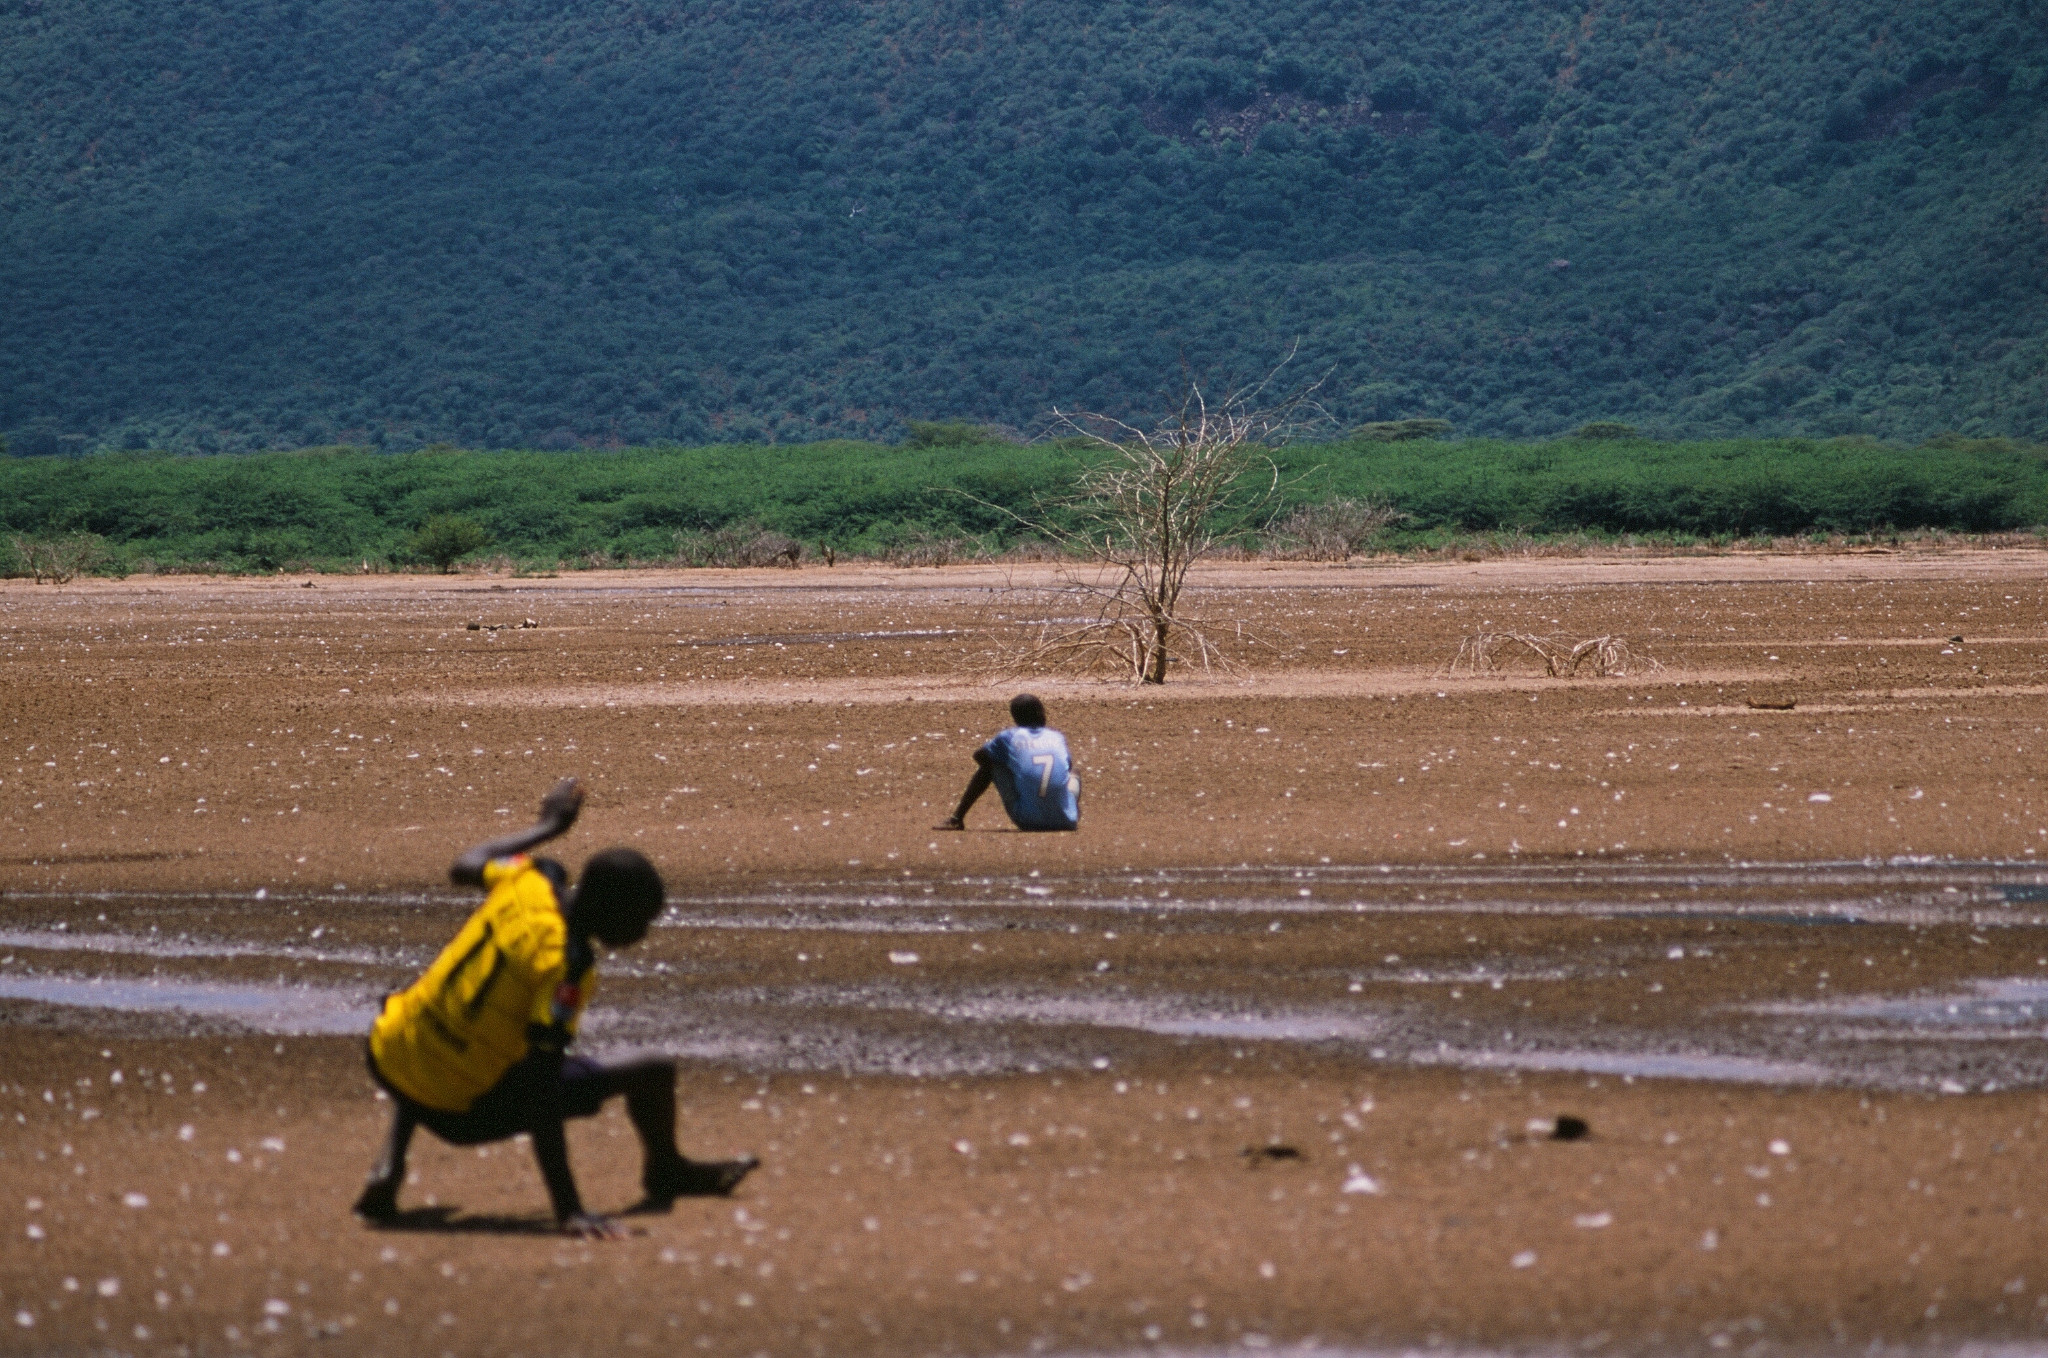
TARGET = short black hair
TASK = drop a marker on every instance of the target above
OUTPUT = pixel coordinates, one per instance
(618, 896)
(1027, 710)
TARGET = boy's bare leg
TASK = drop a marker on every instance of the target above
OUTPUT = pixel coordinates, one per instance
(650, 1090)
(379, 1200)
(978, 784)
(666, 1174)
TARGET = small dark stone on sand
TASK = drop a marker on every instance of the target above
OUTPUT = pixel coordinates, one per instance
(1258, 1155)
(1570, 1128)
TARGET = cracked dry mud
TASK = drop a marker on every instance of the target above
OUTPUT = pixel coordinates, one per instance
(1789, 963)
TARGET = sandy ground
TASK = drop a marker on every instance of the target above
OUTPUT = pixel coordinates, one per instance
(163, 741)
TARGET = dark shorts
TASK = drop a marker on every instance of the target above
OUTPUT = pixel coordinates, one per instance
(506, 1108)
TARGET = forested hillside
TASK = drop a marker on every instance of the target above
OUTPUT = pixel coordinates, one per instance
(264, 223)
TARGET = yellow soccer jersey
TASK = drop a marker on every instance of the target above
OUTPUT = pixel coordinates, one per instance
(454, 1032)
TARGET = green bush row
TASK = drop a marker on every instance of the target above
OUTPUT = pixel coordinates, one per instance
(346, 506)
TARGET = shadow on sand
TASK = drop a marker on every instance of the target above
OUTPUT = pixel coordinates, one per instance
(444, 1220)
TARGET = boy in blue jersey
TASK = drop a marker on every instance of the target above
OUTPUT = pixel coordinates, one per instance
(1032, 772)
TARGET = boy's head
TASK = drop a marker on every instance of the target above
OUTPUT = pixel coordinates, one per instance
(618, 897)
(1027, 710)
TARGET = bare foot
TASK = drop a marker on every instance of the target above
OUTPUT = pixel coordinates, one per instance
(697, 1179)
(379, 1202)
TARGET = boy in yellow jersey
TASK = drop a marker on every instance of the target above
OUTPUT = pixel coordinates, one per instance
(476, 1049)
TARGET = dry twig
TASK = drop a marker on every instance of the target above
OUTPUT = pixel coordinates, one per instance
(1483, 653)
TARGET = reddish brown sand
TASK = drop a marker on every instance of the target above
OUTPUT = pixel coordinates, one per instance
(188, 735)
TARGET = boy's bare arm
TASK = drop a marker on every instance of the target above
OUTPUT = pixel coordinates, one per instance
(551, 1150)
(558, 811)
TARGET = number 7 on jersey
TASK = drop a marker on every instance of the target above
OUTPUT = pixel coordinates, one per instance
(1045, 763)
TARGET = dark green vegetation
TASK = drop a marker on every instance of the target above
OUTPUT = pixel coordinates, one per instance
(344, 507)
(266, 223)
(445, 539)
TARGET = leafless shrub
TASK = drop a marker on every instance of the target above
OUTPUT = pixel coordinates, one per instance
(1518, 543)
(741, 544)
(1336, 530)
(1034, 549)
(1156, 502)
(1094, 624)
(57, 560)
(1506, 542)
(1485, 652)
(933, 549)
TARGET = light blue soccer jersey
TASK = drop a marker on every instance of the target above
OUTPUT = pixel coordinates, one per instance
(1035, 777)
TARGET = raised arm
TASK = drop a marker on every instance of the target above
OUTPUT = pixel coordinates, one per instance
(558, 811)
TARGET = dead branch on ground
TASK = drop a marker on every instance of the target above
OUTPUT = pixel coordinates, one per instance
(1484, 653)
